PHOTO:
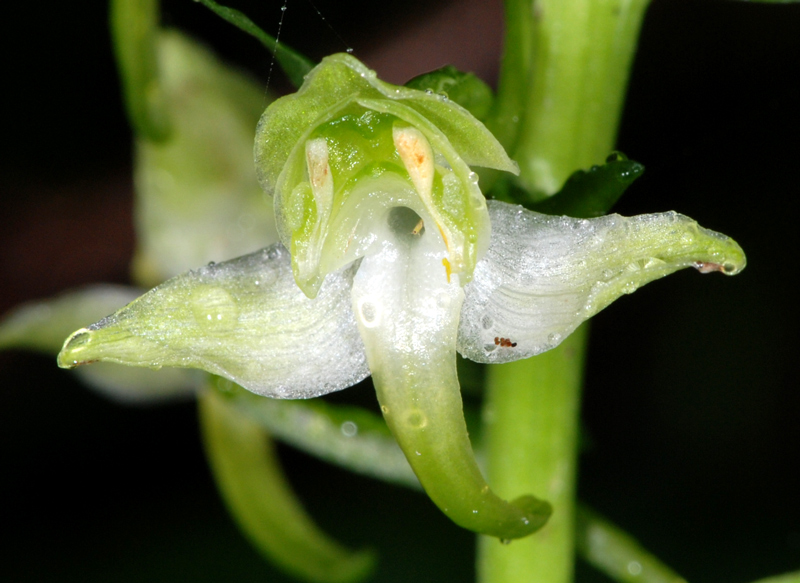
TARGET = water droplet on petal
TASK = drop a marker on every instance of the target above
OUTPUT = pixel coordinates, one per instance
(368, 313)
(416, 419)
(214, 309)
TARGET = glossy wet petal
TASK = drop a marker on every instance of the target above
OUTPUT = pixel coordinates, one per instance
(544, 275)
(244, 319)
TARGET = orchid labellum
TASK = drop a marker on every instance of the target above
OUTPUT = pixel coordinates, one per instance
(390, 262)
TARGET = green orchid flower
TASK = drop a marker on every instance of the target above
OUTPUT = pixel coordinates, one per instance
(390, 263)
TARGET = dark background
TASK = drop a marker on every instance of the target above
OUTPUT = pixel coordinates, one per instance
(691, 405)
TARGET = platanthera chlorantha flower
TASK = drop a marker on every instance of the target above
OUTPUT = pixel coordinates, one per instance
(391, 262)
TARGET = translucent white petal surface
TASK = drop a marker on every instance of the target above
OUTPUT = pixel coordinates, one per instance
(244, 319)
(544, 275)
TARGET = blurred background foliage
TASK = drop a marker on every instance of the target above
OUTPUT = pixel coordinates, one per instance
(691, 404)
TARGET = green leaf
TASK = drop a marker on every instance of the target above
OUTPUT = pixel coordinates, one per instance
(591, 193)
(615, 553)
(295, 65)
(466, 89)
(43, 325)
(134, 26)
(250, 480)
(197, 195)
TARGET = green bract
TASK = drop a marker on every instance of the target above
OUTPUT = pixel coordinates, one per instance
(347, 147)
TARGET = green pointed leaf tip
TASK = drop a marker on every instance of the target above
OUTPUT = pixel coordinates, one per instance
(295, 65)
(592, 193)
(347, 147)
(466, 89)
(197, 195)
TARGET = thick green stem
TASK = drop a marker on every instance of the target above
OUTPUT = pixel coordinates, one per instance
(575, 71)
(580, 56)
(531, 418)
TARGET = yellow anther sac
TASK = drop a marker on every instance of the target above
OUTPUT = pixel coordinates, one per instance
(417, 156)
(320, 177)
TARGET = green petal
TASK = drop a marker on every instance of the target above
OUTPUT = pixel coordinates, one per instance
(42, 326)
(198, 198)
(336, 82)
(250, 480)
(243, 319)
(348, 122)
(544, 275)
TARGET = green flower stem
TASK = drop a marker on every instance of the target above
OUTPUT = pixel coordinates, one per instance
(248, 475)
(134, 24)
(531, 418)
(574, 56)
(578, 65)
(348, 436)
(513, 85)
(617, 554)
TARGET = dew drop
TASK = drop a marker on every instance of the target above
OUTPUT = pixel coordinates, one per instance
(629, 288)
(416, 419)
(368, 313)
(384, 409)
(349, 429)
(214, 309)
(635, 568)
(349, 50)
